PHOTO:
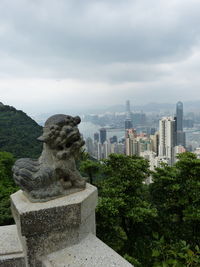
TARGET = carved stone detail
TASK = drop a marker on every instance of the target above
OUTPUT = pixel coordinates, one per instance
(54, 174)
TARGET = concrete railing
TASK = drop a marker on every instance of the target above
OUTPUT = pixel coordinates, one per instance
(56, 233)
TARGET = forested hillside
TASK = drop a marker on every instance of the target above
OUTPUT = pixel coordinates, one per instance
(18, 133)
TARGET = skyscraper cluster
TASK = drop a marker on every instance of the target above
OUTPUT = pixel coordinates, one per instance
(101, 146)
(164, 145)
(158, 147)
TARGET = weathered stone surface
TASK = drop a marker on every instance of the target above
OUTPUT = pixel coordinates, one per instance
(56, 214)
(12, 260)
(53, 225)
(87, 226)
(90, 252)
(54, 173)
(56, 233)
(42, 221)
(11, 252)
(38, 246)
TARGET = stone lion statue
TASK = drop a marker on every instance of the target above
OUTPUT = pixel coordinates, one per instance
(54, 174)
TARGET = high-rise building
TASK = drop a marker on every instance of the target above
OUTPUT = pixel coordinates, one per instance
(102, 135)
(128, 121)
(96, 137)
(167, 138)
(113, 139)
(179, 116)
(180, 135)
(132, 147)
(128, 124)
(89, 145)
(155, 143)
(128, 107)
(181, 138)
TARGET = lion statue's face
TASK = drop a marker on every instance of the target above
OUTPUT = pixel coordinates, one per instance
(61, 134)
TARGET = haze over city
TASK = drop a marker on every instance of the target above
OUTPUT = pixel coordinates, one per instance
(73, 55)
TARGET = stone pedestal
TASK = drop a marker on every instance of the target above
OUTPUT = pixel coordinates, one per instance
(47, 227)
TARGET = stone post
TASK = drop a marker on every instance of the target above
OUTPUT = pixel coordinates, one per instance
(50, 226)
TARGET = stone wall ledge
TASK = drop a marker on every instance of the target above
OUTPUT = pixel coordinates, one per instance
(11, 252)
(57, 233)
(90, 252)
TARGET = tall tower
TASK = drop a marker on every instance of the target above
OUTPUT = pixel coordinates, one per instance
(128, 121)
(128, 124)
(102, 135)
(96, 137)
(179, 116)
(128, 107)
(180, 135)
(167, 130)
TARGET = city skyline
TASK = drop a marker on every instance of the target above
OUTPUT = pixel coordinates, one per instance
(159, 140)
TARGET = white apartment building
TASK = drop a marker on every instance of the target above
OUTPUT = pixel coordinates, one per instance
(167, 140)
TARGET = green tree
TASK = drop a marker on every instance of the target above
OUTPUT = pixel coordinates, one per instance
(174, 254)
(124, 213)
(90, 169)
(155, 225)
(7, 187)
(176, 194)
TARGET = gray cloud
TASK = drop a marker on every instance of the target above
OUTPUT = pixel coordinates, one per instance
(151, 45)
(99, 31)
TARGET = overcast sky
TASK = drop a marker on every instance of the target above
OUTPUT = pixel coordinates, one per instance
(73, 54)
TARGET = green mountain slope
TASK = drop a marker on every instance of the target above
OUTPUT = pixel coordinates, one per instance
(18, 133)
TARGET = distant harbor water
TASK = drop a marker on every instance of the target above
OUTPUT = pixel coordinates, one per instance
(87, 129)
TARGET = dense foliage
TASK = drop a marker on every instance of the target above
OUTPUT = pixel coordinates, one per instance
(154, 225)
(7, 187)
(89, 169)
(18, 133)
(123, 207)
(176, 194)
(150, 225)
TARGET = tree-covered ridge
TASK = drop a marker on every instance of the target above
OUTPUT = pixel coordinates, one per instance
(18, 133)
(7, 187)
